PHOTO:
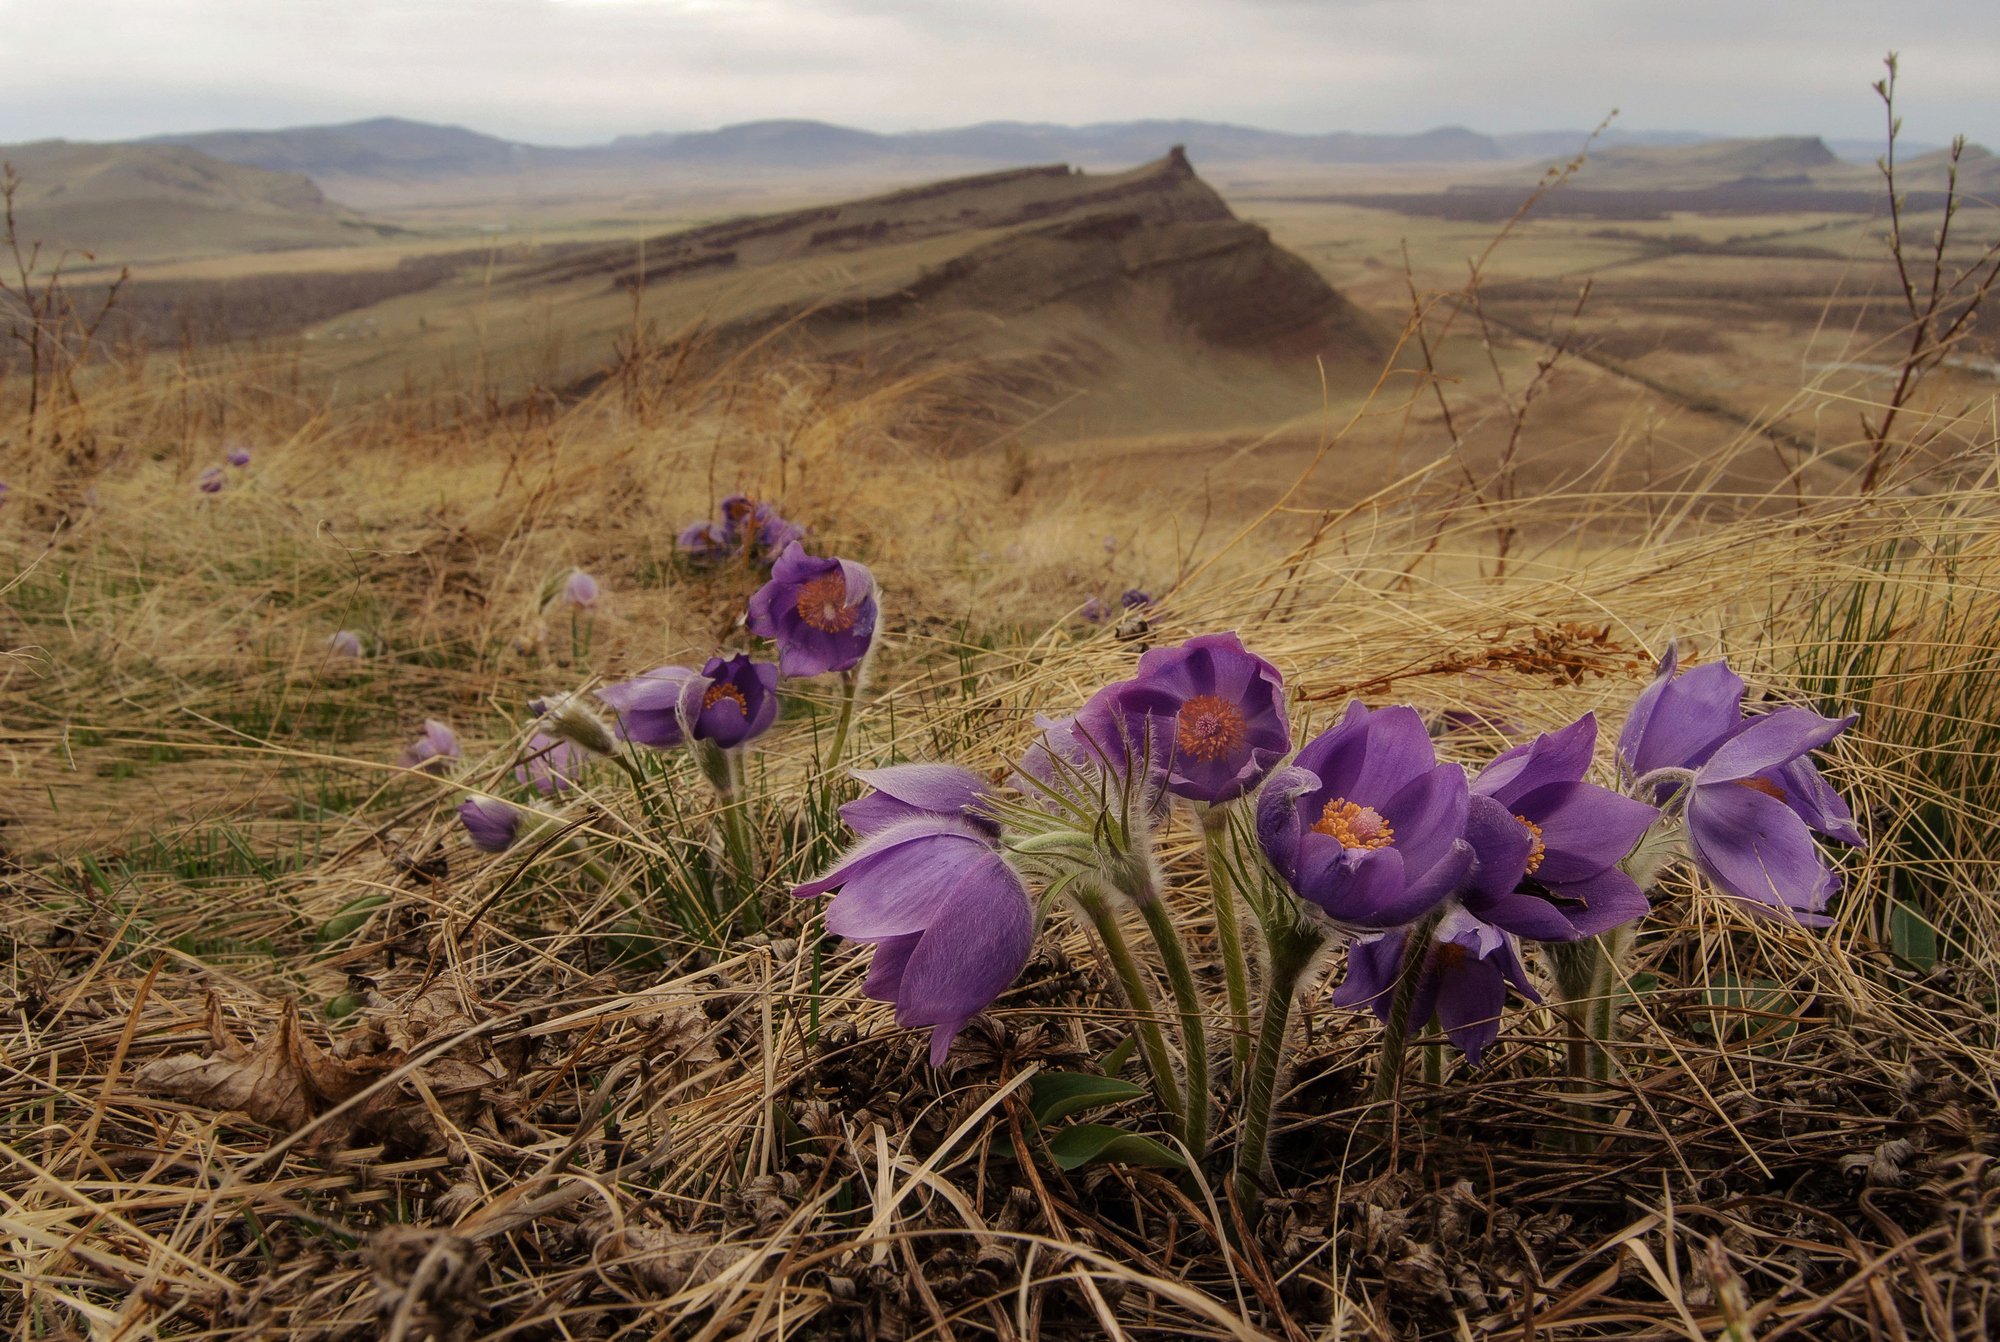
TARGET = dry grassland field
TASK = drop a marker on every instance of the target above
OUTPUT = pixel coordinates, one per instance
(529, 1034)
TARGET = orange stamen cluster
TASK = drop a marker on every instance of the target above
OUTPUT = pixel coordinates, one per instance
(1355, 825)
(823, 604)
(723, 690)
(1209, 727)
(1537, 850)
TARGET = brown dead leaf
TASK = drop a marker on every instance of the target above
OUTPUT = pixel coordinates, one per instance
(283, 1081)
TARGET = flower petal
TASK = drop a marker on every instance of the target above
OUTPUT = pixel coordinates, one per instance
(1585, 828)
(1677, 721)
(1553, 757)
(1372, 966)
(1769, 741)
(1754, 848)
(902, 791)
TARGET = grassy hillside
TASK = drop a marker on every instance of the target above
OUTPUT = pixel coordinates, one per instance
(152, 202)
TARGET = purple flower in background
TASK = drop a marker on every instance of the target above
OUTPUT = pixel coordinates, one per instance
(1227, 710)
(239, 456)
(1753, 796)
(552, 764)
(732, 701)
(580, 589)
(433, 751)
(1366, 825)
(1092, 611)
(820, 612)
(490, 823)
(344, 643)
(1134, 599)
(703, 543)
(210, 481)
(648, 706)
(1101, 759)
(951, 921)
(1462, 981)
(910, 791)
(1548, 844)
(738, 512)
(773, 533)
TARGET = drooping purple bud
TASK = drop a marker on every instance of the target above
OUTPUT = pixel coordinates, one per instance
(1093, 612)
(580, 589)
(490, 823)
(210, 481)
(1134, 599)
(551, 764)
(950, 919)
(433, 751)
(648, 706)
(239, 456)
(345, 643)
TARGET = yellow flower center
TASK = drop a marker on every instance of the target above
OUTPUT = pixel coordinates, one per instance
(723, 690)
(1537, 850)
(1355, 825)
(823, 604)
(1209, 727)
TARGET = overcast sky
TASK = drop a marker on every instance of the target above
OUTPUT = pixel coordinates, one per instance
(572, 71)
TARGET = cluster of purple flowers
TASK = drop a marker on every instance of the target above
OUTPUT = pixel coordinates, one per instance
(212, 480)
(821, 613)
(747, 531)
(1437, 875)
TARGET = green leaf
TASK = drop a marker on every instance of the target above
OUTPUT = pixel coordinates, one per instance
(1054, 1095)
(1077, 1146)
(1758, 1005)
(351, 916)
(1114, 1062)
(1913, 940)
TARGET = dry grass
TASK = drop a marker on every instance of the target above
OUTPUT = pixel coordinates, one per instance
(503, 1097)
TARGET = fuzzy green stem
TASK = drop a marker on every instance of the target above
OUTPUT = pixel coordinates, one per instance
(850, 687)
(1396, 1035)
(1146, 1022)
(1229, 936)
(1194, 1035)
(1292, 944)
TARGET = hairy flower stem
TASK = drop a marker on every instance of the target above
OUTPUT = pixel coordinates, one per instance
(1293, 943)
(1146, 1022)
(850, 691)
(1194, 1035)
(724, 769)
(1396, 1035)
(1229, 936)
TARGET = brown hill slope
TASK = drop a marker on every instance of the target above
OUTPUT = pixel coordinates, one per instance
(127, 202)
(1133, 299)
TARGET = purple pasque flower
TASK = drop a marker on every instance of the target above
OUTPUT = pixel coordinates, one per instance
(345, 643)
(1134, 599)
(490, 823)
(1752, 808)
(1751, 796)
(1365, 824)
(551, 763)
(910, 791)
(773, 534)
(738, 519)
(239, 457)
(433, 751)
(732, 701)
(820, 612)
(1100, 762)
(210, 481)
(1226, 707)
(703, 543)
(580, 589)
(1548, 844)
(951, 921)
(1462, 981)
(1092, 611)
(648, 706)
